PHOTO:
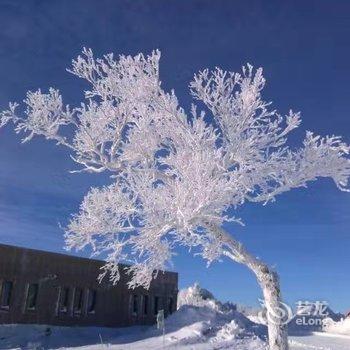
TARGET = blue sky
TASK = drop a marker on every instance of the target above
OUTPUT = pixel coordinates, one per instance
(304, 49)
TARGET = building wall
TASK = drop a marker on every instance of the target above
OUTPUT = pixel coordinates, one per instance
(53, 272)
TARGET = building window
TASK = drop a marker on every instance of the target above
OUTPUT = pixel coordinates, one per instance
(91, 301)
(78, 301)
(32, 296)
(156, 305)
(6, 291)
(145, 304)
(64, 299)
(170, 305)
(135, 305)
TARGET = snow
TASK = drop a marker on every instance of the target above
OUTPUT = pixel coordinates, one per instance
(189, 337)
(195, 296)
(190, 328)
(341, 327)
(257, 319)
(198, 296)
(319, 341)
(201, 322)
(204, 323)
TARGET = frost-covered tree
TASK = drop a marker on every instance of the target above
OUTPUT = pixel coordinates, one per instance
(176, 178)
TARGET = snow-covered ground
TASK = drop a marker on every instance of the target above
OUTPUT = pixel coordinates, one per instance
(191, 327)
(191, 337)
(320, 341)
(205, 324)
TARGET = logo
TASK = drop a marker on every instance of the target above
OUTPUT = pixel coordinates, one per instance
(280, 314)
(307, 313)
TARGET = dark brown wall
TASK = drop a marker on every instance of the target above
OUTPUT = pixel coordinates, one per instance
(53, 271)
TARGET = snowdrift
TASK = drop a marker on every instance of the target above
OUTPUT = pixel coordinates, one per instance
(341, 327)
(200, 313)
(216, 324)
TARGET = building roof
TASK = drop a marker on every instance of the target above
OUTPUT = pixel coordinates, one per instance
(65, 256)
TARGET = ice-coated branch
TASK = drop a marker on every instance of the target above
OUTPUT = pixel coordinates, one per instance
(44, 115)
(319, 157)
(122, 100)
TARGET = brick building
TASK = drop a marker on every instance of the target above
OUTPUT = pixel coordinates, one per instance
(56, 289)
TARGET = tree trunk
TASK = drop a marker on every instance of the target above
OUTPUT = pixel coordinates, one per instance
(276, 313)
(277, 328)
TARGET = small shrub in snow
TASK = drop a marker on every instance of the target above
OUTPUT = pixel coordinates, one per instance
(197, 296)
(229, 331)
